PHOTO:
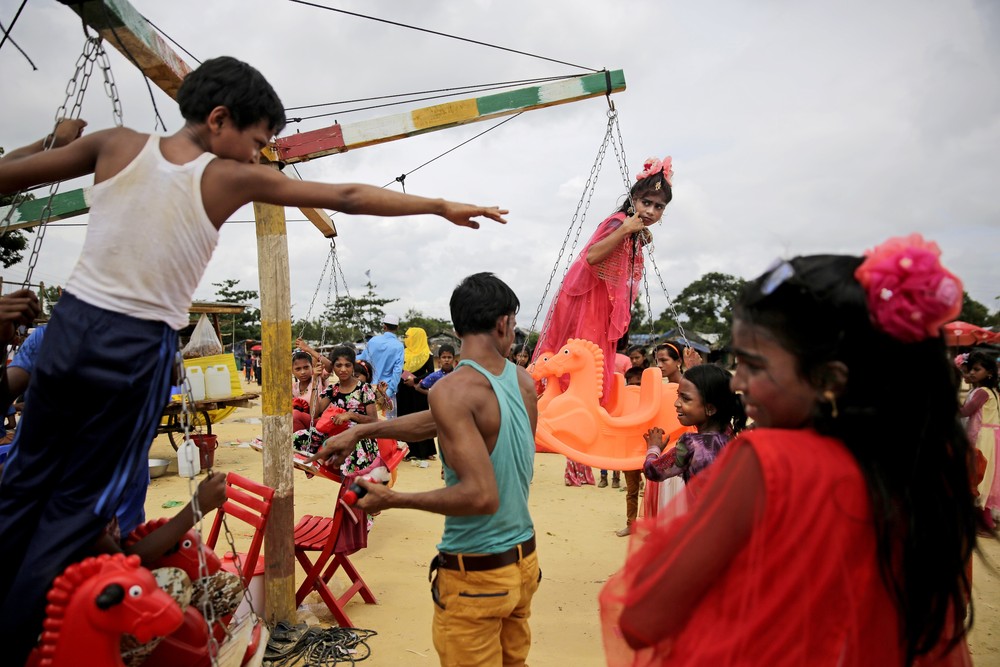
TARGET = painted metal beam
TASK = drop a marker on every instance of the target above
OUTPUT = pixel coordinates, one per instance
(341, 138)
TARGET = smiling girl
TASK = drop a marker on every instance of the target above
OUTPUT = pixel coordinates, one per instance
(808, 544)
(704, 401)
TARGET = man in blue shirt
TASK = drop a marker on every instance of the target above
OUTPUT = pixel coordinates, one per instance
(385, 352)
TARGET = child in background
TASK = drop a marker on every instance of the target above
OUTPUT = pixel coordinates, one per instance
(446, 364)
(363, 371)
(633, 478)
(704, 401)
(305, 390)
(982, 410)
(113, 334)
(637, 356)
(807, 543)
(355, 402)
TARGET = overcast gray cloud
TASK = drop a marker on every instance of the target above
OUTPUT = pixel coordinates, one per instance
(795, 127)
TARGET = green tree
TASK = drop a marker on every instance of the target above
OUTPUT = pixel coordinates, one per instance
(50, 295)
(706, 305)
(432, 325)
(974, 312)
(13, 243)
(350, 318)
(247, 325)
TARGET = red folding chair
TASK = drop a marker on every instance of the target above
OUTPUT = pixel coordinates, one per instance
(319, 533)
(250, 502)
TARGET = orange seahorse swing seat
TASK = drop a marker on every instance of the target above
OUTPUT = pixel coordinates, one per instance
(574, 423)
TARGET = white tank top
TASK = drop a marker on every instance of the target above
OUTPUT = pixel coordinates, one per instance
(148, 241)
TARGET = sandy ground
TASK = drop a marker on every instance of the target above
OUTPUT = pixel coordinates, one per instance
(577, 549)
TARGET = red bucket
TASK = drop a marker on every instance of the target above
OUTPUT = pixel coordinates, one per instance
(207, 444)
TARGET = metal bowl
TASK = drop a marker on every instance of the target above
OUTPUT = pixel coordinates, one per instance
(158, 467)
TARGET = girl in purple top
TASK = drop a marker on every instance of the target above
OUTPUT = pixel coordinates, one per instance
(705, 401)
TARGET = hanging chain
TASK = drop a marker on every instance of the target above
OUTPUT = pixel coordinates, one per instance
(650, 248)
(579, 216)
(207, 608)
(319, 284)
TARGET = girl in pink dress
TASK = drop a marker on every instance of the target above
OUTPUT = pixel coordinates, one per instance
(982, 410)
(595, 300)
(828, 535)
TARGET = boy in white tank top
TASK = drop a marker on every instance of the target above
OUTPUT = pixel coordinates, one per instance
(158, 204)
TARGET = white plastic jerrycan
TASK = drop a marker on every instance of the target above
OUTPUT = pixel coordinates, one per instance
(188, 459)
(196, 378)
(217, 382)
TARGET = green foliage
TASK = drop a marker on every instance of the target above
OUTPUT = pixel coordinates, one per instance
(431, 325)
(706, 305)
(239, 327)
(13, 243)
(350, 318)
(976, 313)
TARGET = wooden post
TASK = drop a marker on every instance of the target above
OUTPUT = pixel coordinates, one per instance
(276, 408)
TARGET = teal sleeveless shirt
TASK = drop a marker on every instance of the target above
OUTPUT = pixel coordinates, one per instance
(513, 460)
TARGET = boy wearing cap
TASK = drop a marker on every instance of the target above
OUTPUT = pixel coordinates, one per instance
(385, 352)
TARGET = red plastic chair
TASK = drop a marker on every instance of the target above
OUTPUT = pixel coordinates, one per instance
(250, 502)
(319, 534)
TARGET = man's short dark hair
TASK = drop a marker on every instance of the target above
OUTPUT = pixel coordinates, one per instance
(445, 347)
(479, 301)
(230, 83)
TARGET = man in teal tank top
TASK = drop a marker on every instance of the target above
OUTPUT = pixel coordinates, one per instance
(484, 414)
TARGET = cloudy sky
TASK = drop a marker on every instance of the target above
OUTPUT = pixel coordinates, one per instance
(795, 128)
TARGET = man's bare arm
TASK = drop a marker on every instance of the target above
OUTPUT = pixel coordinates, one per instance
(411, 427)
(465, 449)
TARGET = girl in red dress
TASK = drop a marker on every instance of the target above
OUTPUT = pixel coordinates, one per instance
(829, 534)
(595, 300)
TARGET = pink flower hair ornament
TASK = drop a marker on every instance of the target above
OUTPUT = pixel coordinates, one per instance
(654, 166)
(910, 295)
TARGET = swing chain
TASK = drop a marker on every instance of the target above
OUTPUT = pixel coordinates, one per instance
(207, 608)
(319, 284)
(76, 88)
(109, 85)
(579, 216)
(650, 248)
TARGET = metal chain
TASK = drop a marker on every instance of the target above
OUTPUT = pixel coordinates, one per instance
(207, 608)
(109, 85)
(650, 247)
(319, 284)
(577, 222)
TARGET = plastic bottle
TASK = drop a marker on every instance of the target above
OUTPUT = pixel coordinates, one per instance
(188, 459)
(357, 492)
(196, 378)
(217, 382)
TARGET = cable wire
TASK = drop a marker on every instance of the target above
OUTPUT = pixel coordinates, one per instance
(6, 33)
(172, 40)
(442, 34)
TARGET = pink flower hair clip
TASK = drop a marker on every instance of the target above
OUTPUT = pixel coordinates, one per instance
(654, 166)
(910, 295)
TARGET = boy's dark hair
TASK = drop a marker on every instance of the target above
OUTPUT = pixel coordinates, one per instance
(343, 351)
(633, 373)
(988, 362)
(712, 384)
(908, 443)
(445, 347)
(479, 301)
(300, 355)
(231, 83)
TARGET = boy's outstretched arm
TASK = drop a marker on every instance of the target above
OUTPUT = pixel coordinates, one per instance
(68, 158)
(234, 184)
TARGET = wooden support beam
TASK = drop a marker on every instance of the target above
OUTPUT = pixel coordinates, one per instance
(341, 138)
(276, 409)
(123, 27)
